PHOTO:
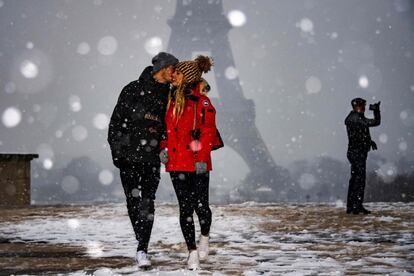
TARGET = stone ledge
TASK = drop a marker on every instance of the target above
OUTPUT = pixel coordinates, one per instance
(18, 156)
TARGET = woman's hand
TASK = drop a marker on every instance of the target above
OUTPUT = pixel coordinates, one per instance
(201, 167)
(164, 156)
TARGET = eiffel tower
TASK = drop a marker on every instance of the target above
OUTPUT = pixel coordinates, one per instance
(201, 26)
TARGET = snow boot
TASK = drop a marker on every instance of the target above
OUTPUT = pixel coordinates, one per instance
(203, 247)
(192, 262)
(142, 260)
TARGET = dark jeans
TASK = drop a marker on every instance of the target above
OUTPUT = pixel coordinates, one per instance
(140, 184)
(192, 194)
(357, 181)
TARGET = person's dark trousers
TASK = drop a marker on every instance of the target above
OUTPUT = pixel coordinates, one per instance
(140, 184)
(192, 192)
(357, 181)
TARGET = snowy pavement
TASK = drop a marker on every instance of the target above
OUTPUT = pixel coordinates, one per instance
(246, 239)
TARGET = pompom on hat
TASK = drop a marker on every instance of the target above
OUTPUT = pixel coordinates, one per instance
(193, 69)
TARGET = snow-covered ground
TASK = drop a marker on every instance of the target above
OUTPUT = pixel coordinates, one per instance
(246, 239)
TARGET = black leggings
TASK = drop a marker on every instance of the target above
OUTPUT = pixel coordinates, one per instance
(140, 185)
(192, 194)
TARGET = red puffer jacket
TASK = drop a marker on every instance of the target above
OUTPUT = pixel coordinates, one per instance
(183, 150)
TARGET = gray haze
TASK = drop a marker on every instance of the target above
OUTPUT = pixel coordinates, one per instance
(64, 63)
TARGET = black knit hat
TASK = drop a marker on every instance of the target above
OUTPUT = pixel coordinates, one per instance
(358, 102)
(192, 69)
(163, 60)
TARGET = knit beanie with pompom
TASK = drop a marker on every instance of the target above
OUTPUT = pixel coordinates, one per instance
(192, 69)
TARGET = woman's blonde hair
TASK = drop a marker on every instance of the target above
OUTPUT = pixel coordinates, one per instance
(179, 101)
(191, 71)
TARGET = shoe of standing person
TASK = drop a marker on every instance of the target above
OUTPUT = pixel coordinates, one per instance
(203, 247)
(356, 211)
(192, 262)
(364, 211)
(361, 210)
(142, 259)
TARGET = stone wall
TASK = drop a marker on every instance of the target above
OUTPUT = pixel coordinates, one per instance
(15, 179)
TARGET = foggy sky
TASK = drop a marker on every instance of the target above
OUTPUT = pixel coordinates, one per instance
(300, 61)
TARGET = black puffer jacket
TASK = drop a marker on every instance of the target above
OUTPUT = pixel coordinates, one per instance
(137, 123)
(357, 126)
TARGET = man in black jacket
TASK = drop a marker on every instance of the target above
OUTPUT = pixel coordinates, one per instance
(135, 131)
(360, 143)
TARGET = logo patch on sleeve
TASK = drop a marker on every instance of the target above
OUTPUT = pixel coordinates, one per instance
(205, 103)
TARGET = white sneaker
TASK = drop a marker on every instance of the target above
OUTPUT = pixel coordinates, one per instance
(203, 247)
(142, 259)
(192, 262)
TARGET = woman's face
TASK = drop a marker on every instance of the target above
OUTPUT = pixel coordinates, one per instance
(177, 78)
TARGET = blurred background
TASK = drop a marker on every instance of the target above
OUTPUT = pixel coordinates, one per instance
(63, 64)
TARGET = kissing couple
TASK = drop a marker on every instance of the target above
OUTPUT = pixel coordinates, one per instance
(166, 117)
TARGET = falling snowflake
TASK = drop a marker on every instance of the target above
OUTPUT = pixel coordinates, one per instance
(70, 184)
(313, 85)
(153, 45)
(101, 121)
(10, 88)
(47, 164)
(236, 18)
(387, 172)
(106, 177)
(306, 25)
(383, 138)
(363, 81)
(75, 103)
(29, 69)
(107, 45)
(307, 181)
(231, 73)
(11, 117)
(29, 45)
(79, 133)
(83, 48)
(403, 146)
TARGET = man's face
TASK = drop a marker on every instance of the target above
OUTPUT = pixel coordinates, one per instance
(164, 75)
(360, 108)
(168, 73)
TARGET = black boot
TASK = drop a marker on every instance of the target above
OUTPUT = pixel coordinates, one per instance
(356, 211)
(361, 210)
(365, 211)
(352, 209)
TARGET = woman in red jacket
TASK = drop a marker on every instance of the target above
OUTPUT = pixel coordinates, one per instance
(191, 132)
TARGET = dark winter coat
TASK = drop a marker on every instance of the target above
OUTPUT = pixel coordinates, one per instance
(183, 148)
(357, 126)
(137, 123)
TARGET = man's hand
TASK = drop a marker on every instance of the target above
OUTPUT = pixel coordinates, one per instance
(374, 145)
(164, 156)
(375, 107)
(201, 167)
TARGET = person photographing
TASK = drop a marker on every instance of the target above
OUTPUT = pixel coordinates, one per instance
(359, 144)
